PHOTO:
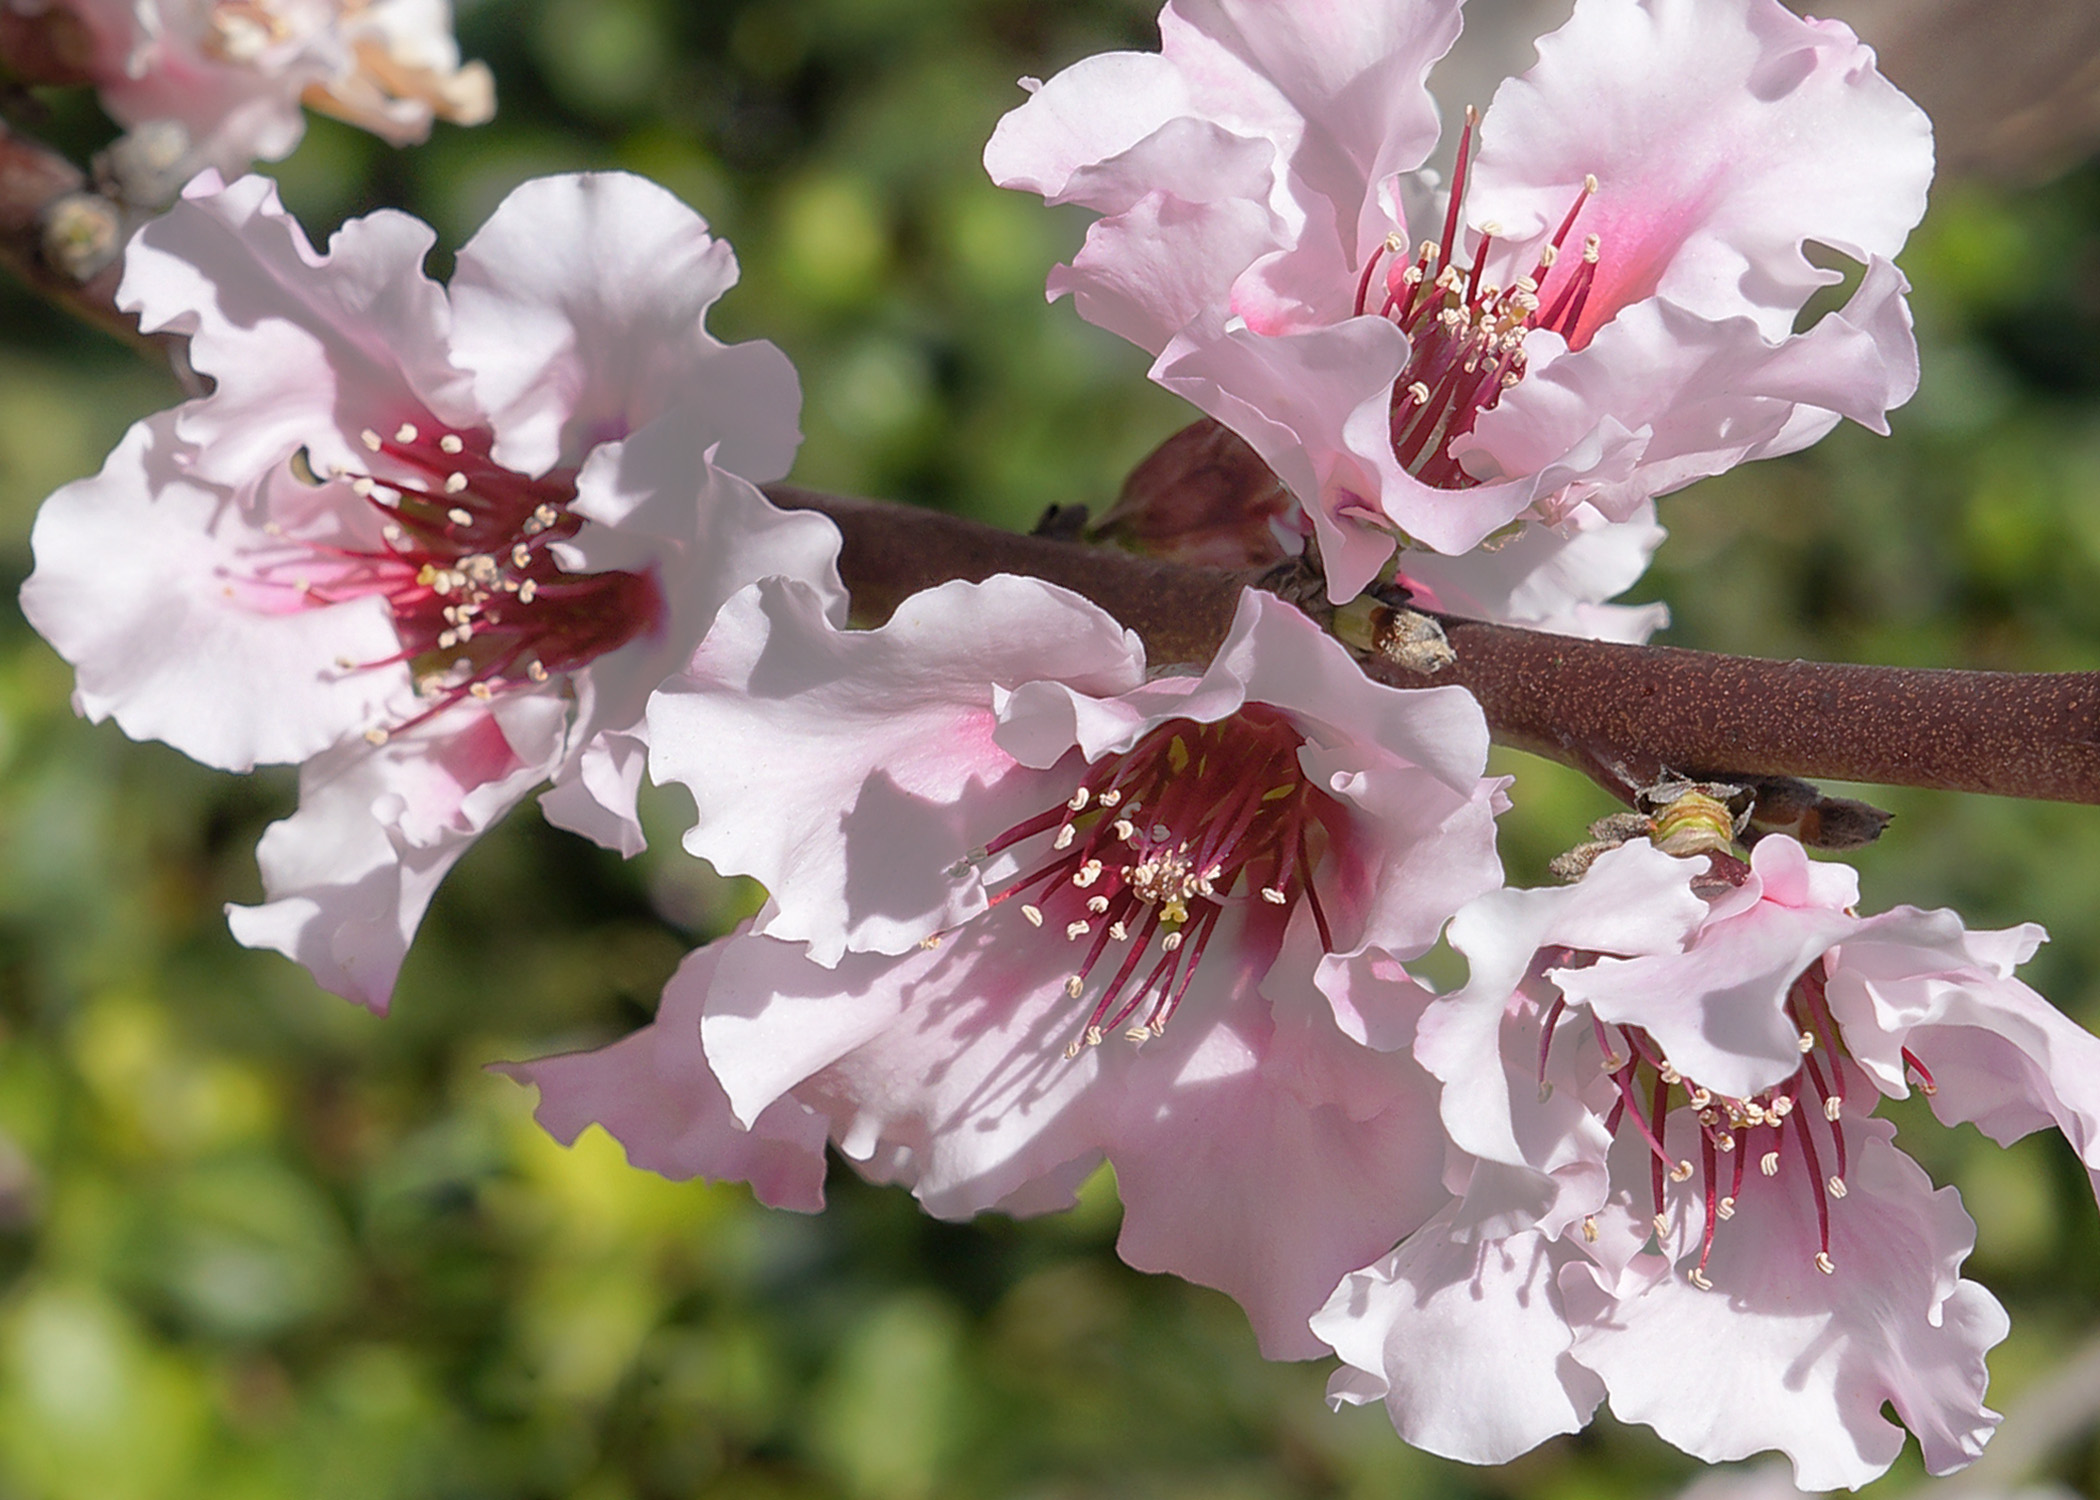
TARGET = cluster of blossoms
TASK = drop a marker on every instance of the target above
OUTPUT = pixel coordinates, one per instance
(220, 83)
(1036, 903)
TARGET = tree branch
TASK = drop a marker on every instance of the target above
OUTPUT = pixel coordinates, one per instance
(1621, 714)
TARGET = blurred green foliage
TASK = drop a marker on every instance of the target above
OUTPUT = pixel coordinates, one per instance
(256, 1243)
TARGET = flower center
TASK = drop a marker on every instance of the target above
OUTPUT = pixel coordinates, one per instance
(1158, 842)
(467, 568)
(1466, 337)
(1793, 1128)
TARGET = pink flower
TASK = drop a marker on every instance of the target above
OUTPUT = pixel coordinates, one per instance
(1600, 310)
(437, 545)
(232, 74)
(991, 843)
(1680, 1197)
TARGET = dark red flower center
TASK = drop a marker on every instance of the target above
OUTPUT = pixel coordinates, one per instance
(1153, 847)
(467, 567)
(1796, 1127)
(1466, 337)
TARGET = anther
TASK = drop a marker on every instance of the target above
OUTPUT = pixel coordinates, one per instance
(1075, 985)
(1725, 1209)
(1698, 1278)
(370, 439)
(450, 443)
(1589, 1228)
(1682, 1172)
(405, 433)
(1661, 1225)
(1833, 1107)
(1065, 835)
(1171, 941)
(455, 483)
(1806, 1041)
(1034, 914)
(1769, 1164)
(535, 670)
(527, 589)
(459, 515)
(1837, 1187)
(1097, 905)
(1079, 801)
(1275, 896)
(1824, 1263)
(1111, 797)
(1076, 930)
(1138, 1033)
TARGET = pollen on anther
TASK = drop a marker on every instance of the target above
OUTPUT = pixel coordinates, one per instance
(1806, 1041)
(1661, 1225)
(1138, 1033)
(1111, 797)
(1682, 1172)
(1064, 838)
(1589, 182)
(527, 589)
(1097, 904)
(1034, 914)
(535, 670)
(1077, 930)
(1825, 1264)
(1769, 1164)
(455, 483)
(1275, 896)
(1698, 1278)
(1075, 985)
(459, 515)
(450, 443)
(1118, 931)
(1725, 1209)
(1833, 1107)
(405, 433)
(1837, 1187)
(1589, 1228)
(1171, 941)
(370, 439)
(481, 690)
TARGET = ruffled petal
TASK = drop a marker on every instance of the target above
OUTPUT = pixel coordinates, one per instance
(1781, 1355)
(654, 1092)
(580, 308)
(1553, 578)
(1751, 133)
(304, 350)
(850, 771)
(1463, 1340)
(189, 623)
(346, 879)
(1261, 1152)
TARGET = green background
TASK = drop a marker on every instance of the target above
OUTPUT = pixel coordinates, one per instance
(255, 1242)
